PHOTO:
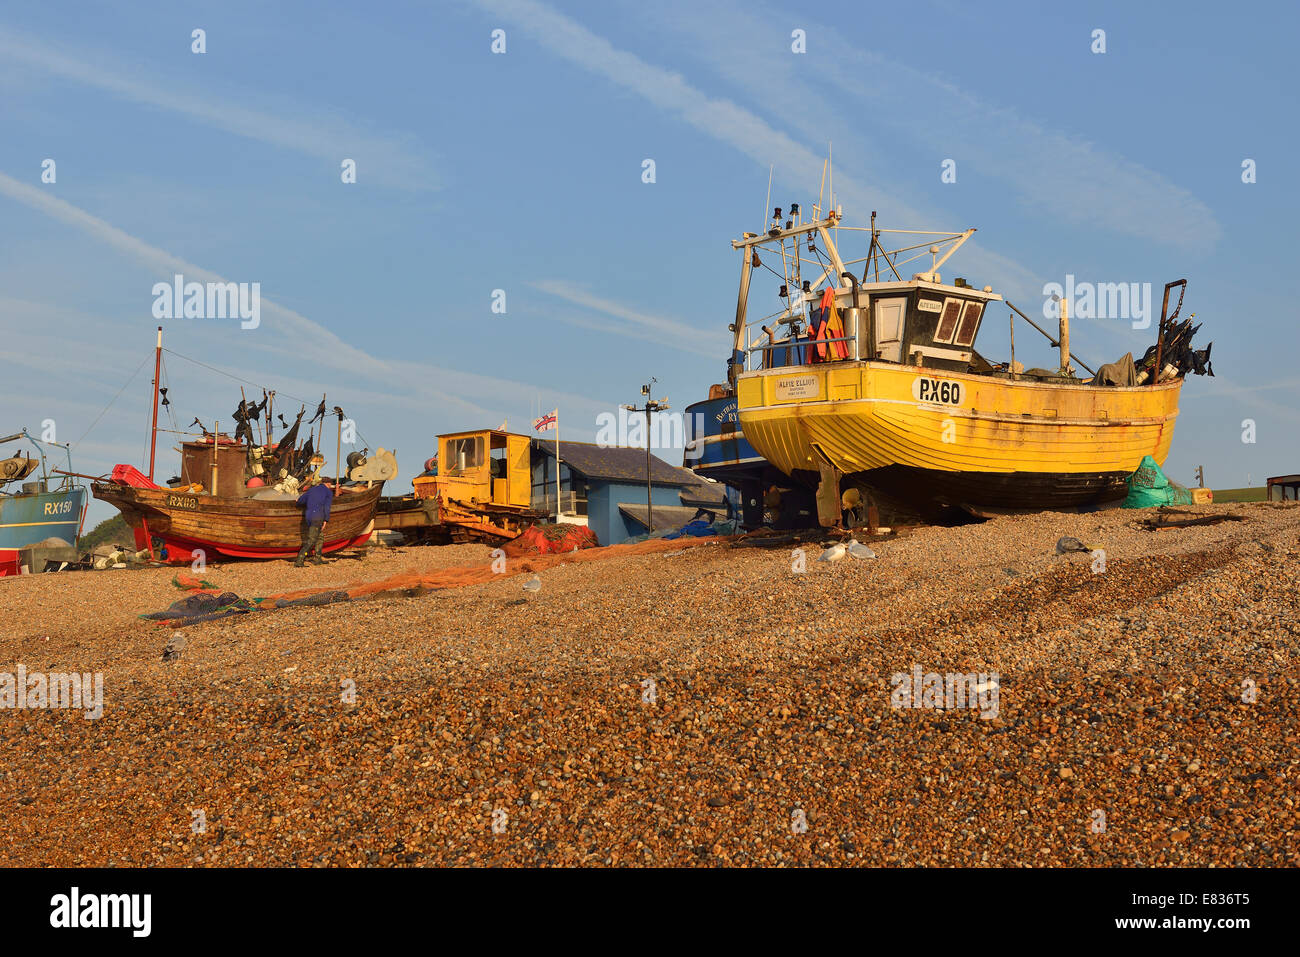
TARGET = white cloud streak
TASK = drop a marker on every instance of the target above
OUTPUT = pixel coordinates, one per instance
(639, 325)
(287, 333)
(323, 136)
(727, 122)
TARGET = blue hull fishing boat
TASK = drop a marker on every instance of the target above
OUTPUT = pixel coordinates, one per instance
(716, 448)
(32, 509)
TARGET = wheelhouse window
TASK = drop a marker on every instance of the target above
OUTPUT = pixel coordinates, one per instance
(970, 321)
(948, 320)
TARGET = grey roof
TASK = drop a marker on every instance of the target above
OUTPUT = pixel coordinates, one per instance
(705, 495)
(666, 517)
(617, 464)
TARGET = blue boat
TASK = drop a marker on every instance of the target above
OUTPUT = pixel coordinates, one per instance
(34, 509)
(716, 448)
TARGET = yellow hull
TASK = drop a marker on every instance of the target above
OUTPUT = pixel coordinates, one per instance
(970, 436)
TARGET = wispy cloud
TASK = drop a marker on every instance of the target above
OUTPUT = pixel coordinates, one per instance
(289, 335)
(319, 343)
(631, 322)
(732, 124)
(1050, 167)
(321, 135)
(1056, 171)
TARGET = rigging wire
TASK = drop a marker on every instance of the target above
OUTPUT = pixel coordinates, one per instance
(231, 375)
(111, 401)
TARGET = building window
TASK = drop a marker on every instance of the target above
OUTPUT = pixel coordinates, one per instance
(573, 489)
(543, 496)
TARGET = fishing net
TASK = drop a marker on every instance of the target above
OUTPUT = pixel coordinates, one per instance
(1149, 487)
(207, 602)
(551, 539)
(477, 574)
(190, 583)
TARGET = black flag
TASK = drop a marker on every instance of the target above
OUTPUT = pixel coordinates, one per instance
(290, 438)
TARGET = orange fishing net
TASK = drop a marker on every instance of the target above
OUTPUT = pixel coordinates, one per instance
(476, 574)
(187, 582)
(545, 539)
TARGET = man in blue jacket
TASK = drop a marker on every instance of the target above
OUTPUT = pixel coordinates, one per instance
(316, 500)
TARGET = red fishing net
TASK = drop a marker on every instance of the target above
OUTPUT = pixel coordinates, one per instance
(551, 540)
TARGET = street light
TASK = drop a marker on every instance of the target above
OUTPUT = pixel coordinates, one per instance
(650, 406)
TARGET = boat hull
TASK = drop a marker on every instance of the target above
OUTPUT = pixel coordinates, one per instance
(932, 438)
(716, 448)
(236, 527)
(29, 518)
(715, 444)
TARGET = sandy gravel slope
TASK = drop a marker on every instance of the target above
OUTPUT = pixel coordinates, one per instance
(1120, 704)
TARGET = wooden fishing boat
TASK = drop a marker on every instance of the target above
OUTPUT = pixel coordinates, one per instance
(237, 497)
(874, 384)
(189, 522)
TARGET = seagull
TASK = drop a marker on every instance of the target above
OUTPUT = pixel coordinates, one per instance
(832, 554)
(1068, 544)
(533, 584)
(858, 550)
(175, 645)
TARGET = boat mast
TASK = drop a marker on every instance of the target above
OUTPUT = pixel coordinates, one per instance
(1065, 339)
(738, 342)
(153, 431)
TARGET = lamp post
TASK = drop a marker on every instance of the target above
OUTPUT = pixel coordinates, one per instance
(650, 406)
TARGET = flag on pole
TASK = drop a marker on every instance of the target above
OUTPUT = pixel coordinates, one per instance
(547, 422)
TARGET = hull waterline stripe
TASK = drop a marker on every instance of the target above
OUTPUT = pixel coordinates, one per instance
(29, 524)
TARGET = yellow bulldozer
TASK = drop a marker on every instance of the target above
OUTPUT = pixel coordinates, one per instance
(478, 490)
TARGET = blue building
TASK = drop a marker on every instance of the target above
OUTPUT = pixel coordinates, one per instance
(605, 489)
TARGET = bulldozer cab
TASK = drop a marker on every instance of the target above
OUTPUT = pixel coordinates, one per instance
(485, 466)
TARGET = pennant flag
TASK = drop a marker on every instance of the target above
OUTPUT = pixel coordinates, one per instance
(547, 422)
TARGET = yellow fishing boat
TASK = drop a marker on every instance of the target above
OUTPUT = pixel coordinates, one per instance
(873, 383)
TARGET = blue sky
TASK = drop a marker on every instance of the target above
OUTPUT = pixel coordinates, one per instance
(522, 171)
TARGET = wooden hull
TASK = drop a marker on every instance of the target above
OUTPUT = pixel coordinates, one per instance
(237, 527)
(942, 438)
